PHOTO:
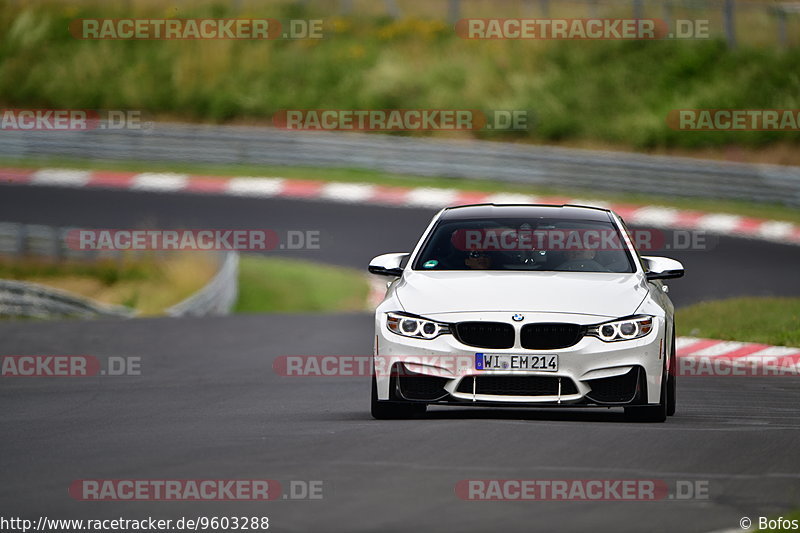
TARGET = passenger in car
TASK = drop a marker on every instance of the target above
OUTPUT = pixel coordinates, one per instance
(478, 261)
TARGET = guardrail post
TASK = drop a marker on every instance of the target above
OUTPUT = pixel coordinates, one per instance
(666, 12)
(10, 243)
(527, 8)
(545, 7)
(392, 8)
(453, 11)
(783, 37)
(22, 236)
(55, 243)
(638, 9)
(70, 246)
(730, 22)
(593, 11)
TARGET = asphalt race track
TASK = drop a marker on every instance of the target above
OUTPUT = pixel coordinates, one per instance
(351, 235)
(209, 406)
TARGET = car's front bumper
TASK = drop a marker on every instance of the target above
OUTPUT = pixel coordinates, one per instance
(591, 372)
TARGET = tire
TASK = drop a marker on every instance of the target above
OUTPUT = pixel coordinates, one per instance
(650, 413)
(388, 410)
(670, 395)
(671, 373)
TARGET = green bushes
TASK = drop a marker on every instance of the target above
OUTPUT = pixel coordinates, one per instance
(606, 91)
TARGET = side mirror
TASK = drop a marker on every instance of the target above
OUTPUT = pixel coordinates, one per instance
(662, 268)
(388, 264)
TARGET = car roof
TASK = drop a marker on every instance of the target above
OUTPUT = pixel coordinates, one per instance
(566, 211)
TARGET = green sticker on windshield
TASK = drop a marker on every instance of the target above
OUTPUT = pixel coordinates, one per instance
(430, 264)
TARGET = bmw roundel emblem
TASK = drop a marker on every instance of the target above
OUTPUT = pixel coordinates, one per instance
(518, 317)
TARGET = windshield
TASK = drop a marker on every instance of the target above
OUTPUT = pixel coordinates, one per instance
(541, 244)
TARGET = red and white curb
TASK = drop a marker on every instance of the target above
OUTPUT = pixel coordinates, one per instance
(421, 197)
(712, 357)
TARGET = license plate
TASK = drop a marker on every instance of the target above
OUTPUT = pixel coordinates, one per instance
(541, 363)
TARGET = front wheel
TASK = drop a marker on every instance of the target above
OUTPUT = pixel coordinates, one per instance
(671, 386)
(670, 395)
(385, 410)
(651, 413)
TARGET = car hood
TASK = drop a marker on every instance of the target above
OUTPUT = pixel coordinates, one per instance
(603, 294)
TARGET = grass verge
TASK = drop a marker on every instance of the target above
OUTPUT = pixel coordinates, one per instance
(150, 285)
(351, 175)
(291, 285)
(774, 321)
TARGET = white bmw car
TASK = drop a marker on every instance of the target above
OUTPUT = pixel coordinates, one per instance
(525, 305)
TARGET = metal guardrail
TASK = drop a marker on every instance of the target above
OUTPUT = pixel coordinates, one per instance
(218, 297)
(45, 241)
(736, 20)
(24, 299)
(517, 163)
(18, 298)
(723, 14)
(753, 21)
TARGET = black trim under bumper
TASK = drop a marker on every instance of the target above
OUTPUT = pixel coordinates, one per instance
(626, 389)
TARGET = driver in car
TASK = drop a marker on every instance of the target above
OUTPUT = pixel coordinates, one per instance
(478, 260)
(581, 260)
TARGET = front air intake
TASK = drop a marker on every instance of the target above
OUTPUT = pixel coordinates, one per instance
(495, 335)
(517, 385)
(551, 336)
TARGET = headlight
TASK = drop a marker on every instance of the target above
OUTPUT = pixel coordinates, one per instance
(416, 327)
(622, 330)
